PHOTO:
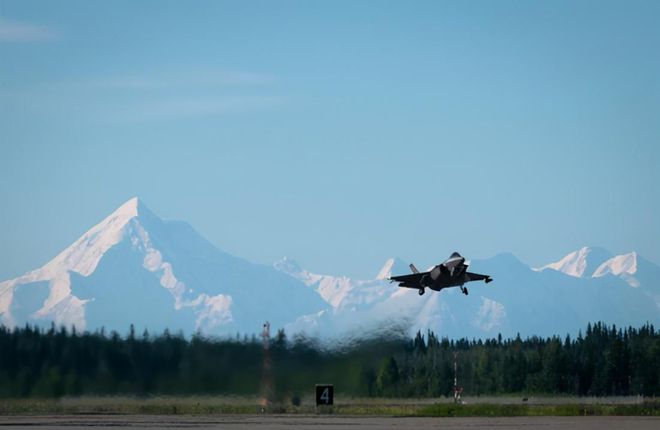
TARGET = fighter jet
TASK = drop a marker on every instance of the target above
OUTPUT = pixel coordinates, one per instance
(451, 273)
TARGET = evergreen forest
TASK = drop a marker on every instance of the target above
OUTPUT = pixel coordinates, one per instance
(602, 361)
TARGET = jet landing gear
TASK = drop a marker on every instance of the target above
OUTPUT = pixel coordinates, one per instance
(464, 290)
(421, 291)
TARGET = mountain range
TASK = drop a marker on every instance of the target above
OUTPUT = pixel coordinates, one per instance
(136, 268)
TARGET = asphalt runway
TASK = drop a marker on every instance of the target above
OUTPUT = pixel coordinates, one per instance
(327, 422)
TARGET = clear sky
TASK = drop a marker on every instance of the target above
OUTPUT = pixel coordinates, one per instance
(336, 133)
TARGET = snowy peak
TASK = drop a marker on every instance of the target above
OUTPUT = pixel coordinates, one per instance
(391, 267)
(625, 264)
(573, 264)
(84, 254)
(130, 209)
(341, 291)
(134, 267)
(127, 210)
(595, 263)
(80, 258)
(289, 266)
(580, 263)
(332, 289)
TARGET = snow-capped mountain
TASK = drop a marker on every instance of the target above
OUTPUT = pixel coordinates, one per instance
(598, 262)
(620, 265)
(393, 266)
(580, 263)
(342, 292)
(134, 267)
(521, 300)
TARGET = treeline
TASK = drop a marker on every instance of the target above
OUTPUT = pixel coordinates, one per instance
(53, 362)
(605, 361)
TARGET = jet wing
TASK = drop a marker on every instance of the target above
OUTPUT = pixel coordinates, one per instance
(409, 281)
(477, 277)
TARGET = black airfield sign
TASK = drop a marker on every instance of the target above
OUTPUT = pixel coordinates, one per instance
(324, 394)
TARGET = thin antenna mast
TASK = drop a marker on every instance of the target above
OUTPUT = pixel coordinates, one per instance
(266, 383)
(457, 390)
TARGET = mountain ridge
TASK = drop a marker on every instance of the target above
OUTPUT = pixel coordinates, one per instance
(134, 267)
(133, 258)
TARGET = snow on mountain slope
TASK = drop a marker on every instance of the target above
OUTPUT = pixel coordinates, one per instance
(332, 289)
(621, 264)
(81, 257)
(393, 266)
(635, 271)
(598, 262)
(580, 263)
(340, 291)
(133, 267)
(364, 308)
(520, 300)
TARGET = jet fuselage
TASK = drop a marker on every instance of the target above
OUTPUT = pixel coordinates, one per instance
(450, 273)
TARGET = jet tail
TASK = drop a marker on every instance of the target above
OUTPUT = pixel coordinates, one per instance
(413, 268)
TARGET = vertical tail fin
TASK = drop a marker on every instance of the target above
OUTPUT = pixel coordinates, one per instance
(413, 268)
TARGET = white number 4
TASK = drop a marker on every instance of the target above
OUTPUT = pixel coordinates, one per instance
(325, 396)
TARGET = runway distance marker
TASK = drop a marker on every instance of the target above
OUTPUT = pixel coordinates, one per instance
(324, 394)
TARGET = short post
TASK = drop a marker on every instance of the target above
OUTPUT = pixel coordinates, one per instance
(324, 397)
(457, 390)
(266, 383)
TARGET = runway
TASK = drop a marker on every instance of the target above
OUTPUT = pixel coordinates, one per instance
(327, 422)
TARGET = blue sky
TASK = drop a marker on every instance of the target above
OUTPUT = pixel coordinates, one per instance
(336, 133)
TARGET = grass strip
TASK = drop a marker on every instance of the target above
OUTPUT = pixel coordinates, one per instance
(651, 408)
(182, 406)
